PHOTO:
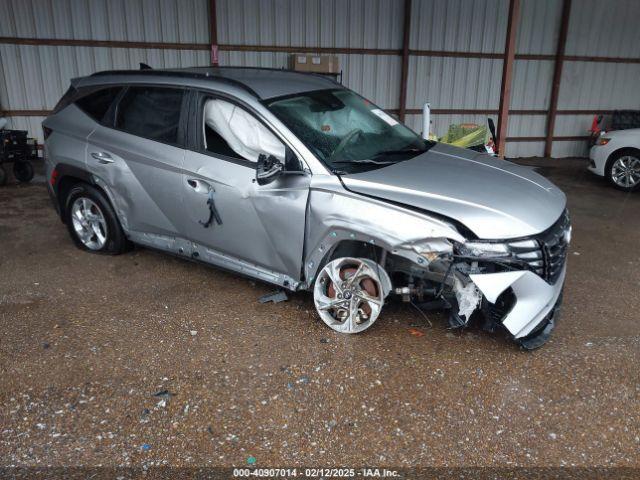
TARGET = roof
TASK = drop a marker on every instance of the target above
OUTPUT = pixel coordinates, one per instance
(264, 83)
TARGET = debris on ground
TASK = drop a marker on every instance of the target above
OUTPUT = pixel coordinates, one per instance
(275, 297)
(416, 332)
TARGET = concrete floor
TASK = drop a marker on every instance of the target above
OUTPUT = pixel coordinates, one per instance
(87, 340)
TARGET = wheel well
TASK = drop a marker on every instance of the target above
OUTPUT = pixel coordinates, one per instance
(619, 151)
(64, 186)
(354, 248)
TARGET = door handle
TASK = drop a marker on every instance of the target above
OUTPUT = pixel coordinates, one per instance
(102, 157)
(199, 186)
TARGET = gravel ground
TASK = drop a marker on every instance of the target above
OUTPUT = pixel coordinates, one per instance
(146, 359)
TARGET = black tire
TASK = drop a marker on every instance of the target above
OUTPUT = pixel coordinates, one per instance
(23, 171)
(115, 241)
(3, 176)
(634, 154)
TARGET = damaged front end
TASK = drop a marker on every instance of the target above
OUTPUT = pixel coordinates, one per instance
(515, 284)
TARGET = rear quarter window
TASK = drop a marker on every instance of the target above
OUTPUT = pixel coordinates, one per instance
(97, 103)
(151, 112)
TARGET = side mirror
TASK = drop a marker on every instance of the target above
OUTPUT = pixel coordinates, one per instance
(291, 162)
(268, 170)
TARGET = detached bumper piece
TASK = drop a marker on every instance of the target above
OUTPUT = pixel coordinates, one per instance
(541, 334)
(534, 302)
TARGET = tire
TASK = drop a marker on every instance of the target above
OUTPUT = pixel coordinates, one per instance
(23, 171)
(92, 222)
(3, 176)
(620, 162)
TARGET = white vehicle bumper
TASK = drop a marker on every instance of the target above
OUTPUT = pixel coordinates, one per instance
(598, 156)
(535, 298)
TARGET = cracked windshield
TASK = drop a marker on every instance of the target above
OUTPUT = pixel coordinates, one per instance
(347, 132)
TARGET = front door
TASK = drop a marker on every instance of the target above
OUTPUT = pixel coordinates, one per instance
(226, 211)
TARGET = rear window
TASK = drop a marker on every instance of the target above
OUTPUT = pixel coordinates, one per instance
(97, 103)
(151, 112)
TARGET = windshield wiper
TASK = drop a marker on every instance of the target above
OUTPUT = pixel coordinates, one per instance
(399, 152)
(347, 162)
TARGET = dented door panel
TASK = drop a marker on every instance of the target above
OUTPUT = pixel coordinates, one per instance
(263, 225)
(143, 177)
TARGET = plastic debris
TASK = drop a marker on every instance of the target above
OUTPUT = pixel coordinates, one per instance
(145, 447)
(193, 332)
(416, 333)
(275, 297)
(251, 460)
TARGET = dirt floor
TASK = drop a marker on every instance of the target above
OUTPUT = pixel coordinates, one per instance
(146, 359)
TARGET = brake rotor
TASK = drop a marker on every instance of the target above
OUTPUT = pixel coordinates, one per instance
(366, 284)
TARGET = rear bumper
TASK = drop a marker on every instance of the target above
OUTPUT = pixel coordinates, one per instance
(535, 298)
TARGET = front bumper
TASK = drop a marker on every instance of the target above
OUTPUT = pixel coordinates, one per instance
(535, 298)
(598, 156)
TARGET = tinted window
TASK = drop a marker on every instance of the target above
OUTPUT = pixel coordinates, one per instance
(151, 112)
(97, 103)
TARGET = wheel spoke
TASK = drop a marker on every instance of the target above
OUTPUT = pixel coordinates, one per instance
(334, 275)
(355, 310)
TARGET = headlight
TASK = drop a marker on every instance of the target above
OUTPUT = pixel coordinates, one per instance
(482, 249)
(603, 140)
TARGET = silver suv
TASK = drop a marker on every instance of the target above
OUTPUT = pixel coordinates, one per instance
(293, 179)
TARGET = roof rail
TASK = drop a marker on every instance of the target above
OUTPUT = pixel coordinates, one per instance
(178, 73)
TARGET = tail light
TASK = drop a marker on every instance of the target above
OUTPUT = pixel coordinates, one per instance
(46, 131)
(54, 177)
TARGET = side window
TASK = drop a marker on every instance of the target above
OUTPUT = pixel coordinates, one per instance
(231, 131)
(151, 112)
(97, 103)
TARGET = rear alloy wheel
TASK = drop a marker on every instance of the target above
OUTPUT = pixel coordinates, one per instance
(91, 221)
(349, 293)
(624, 171)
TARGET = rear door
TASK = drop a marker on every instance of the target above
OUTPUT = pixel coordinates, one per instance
(138, 152)
(261, 225)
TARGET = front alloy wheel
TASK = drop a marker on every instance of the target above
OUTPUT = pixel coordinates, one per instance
(624, 171)
(349, 293)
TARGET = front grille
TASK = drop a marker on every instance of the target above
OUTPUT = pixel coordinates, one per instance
(546, 252)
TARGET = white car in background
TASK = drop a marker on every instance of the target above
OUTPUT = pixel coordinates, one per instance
(616, 155)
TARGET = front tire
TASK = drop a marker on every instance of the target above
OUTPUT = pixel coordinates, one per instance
(623, 170)
(92, 222)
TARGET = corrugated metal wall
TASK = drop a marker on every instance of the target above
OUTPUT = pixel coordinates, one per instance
(34, 77)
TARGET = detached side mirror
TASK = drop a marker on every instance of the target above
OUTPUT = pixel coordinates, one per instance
(268, 170)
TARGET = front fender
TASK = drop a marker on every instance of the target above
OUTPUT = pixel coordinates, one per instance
(334, 217)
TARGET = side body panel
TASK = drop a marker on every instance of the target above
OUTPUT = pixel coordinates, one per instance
(263, 225)
(67, 144)
(142, 178)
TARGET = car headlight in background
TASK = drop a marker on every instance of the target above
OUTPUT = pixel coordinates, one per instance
(603, 141)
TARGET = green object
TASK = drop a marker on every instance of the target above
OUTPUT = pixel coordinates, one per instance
(466, 135)
(251, 460)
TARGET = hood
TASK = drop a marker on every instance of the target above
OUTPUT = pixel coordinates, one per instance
(494, 198)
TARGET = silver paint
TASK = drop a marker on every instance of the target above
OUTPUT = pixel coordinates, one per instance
(286, 231)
